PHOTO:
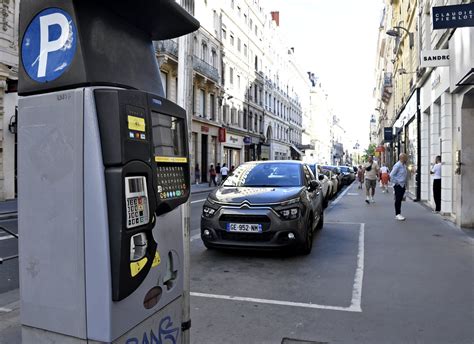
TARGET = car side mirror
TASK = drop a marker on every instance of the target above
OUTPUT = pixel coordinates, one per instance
(321, 177)
(313, 185)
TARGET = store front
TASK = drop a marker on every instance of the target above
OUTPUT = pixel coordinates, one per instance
(205, 149)
(233, 150)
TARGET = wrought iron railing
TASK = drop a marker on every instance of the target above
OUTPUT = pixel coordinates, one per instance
(205, 69)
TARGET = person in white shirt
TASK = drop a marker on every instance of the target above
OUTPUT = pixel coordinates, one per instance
(224, 172)
(384, 177)
(436, 172)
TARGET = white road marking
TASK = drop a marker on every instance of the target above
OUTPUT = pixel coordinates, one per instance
(275, 302)
(340, 196)
(195, 237)
(6, 237)
(356, 300)
(198, 201)
(5, 310)
(353, 194)
(359, 275)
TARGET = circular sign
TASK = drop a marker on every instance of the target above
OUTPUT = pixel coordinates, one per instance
(49, 45)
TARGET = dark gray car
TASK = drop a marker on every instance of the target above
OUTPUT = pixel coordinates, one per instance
(269, 205)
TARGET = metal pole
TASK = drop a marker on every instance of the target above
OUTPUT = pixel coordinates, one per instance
(185, 85)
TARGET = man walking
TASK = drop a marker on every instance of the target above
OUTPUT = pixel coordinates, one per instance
(224, 172)
(371, 173)
(436, 172)
(399, 179)
(218, 172)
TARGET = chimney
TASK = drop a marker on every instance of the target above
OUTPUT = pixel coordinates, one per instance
(276, 17)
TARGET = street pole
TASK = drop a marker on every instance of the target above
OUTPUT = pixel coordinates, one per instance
(185, 85)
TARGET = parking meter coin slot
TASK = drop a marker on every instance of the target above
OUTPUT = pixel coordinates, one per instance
(132, 248)
(124, 126)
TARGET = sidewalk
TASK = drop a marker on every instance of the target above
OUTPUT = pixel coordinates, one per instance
(9, 208)
(203, 187)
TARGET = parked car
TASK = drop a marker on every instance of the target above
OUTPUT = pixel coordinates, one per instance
(265, 204)
(324, 180)
(348, 175)
(333, 182)
(337, 172)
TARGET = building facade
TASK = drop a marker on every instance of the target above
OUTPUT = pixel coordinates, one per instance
(430, 109)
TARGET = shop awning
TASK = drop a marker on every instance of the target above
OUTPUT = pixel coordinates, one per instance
(294, 148)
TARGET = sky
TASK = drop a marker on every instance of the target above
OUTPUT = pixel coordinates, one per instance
(337, 40)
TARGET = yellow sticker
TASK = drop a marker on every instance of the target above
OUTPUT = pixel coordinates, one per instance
(156, 260)
(170, 159)
(136, 267)
(136, 123)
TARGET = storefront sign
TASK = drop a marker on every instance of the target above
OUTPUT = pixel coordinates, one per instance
(445, 17)
(247, 140)
(222, 135)
(388, 134)
(380, 149)
(265, 152)
(204, 129)
(233, 139)
(434, 58)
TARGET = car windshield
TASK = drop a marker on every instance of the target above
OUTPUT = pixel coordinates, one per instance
(344, 169)
(265, 175)
(329, 168)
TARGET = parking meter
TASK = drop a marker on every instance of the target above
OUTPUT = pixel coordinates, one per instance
(103, 167)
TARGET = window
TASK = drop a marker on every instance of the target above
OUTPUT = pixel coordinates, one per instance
(225, 114)
(256, 30)
(231, 75)
(196, 47)
(232, 4)
(256, 63)
(245, 18)
(251, 121)
(234, 116)
(239, 44)
(238, 82)
(255, 99)
(251, 23)
(214, 58)
(239, 11)
(224, 34)
(232, 39)
(212, 103)
(255, 125)
(202, 103)
(164, 81)
(245, 119)
(245, 49)
(204, 52)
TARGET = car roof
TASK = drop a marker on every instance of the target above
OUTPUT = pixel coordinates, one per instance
(296, 162)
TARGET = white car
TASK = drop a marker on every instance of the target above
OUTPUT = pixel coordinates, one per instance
(325, 183)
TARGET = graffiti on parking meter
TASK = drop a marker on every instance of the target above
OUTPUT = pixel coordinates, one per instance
(49, 45)
(167, 334)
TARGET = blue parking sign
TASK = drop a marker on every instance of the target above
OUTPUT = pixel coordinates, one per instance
(49, 45)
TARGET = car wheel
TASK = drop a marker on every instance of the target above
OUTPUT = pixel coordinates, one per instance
(321, 221)
(308, 242)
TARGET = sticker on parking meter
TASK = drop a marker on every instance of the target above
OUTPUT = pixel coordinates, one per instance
(49, 45)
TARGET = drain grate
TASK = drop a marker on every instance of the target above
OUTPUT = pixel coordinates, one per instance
(300, 341)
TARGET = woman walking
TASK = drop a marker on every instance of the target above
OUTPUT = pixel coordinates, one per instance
(197, 174)
(212, 174)
(360, 176)
(384, 177)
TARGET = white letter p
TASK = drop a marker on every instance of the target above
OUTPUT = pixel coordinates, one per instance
(47, 46)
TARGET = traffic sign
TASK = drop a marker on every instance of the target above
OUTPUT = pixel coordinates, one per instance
(49, 45)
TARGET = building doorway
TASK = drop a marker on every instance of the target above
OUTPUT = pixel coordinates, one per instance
(204, 158)
(466, 157)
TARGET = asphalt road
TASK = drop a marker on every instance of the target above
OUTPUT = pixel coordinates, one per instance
(8, 247)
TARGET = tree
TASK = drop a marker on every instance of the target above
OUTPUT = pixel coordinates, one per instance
(369, 151)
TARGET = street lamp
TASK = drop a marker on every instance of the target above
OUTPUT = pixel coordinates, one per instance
(395, 32)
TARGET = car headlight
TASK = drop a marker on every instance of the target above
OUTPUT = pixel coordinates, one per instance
(291, 201)
(208, 211)
(290, 214)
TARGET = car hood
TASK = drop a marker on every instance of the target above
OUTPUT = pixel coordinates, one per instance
(254, 195)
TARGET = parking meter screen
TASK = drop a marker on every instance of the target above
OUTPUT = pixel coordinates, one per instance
(168, 135)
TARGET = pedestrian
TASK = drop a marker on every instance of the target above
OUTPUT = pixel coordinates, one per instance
(213, 175)
(224, 172)
(384, 177)
(398, 177)
(436, 172)
(197, 174)
(218, 172)
(360, 176)
(371, 175)
(232, 168)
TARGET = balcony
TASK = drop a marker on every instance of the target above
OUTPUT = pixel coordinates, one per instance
(387, 87)
(168, 46)
(205, 69)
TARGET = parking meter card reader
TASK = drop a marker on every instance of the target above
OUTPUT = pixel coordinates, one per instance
(136, 201)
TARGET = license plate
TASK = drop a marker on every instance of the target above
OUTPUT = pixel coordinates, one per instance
(244, 227)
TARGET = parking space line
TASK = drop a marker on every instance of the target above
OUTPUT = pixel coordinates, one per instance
(5, 310)
(6, 237)
(359, 275)
(198, 201)
(336, 201)
(356, 300)
(276, 302)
